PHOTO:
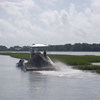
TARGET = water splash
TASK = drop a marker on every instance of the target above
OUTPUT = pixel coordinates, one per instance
(63, 70)
(50, 60)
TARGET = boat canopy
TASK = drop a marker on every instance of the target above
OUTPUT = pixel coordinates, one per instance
(38, 45)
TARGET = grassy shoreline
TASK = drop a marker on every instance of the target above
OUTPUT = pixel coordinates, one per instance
(79, 62)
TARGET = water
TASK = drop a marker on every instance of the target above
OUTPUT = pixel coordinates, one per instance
(64, 84)
(96, 63)
(75, 53)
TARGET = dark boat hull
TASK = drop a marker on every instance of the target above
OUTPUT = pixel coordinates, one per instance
(37, 63)
(37, 69)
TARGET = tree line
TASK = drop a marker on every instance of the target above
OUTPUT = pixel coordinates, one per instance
(65, 47)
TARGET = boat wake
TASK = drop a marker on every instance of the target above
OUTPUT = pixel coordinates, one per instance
(63, 70)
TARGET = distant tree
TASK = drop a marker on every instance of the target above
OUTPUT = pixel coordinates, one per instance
(96, 47)
(15, 48)
(77, 47)
(25, 48)
(66, 47)
(85, 47)
(3, 48)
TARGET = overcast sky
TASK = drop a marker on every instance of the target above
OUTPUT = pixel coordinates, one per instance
(25, 22)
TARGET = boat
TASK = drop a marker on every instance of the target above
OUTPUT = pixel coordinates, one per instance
(36, 62)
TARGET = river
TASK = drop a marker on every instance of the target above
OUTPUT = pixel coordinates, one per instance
(65, 84)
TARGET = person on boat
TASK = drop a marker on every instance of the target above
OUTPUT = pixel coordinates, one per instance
(45, 55)
(21, 62)
(32, 54)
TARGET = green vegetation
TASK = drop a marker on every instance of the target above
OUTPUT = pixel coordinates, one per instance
(75, 60)
(79, 62)
(98, 71)
(17, 55)
(88, 67)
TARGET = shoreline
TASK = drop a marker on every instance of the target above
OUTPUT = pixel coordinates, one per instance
(79, 62)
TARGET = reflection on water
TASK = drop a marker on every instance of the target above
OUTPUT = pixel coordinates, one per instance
(64, 84)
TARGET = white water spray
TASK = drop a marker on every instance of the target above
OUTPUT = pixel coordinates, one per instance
(50, 60)
(64, 70)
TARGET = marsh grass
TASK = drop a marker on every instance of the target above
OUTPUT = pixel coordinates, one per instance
(79, 62)
(17, 55)
(68, 59)
(75, 60)
(88, 67)
(98, 71)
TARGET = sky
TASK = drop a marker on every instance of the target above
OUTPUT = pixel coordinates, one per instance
(26, 22)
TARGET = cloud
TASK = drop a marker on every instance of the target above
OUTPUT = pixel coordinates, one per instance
(9, 31)
(27, 22)
(65, 23)
(17, 25)
(95, 4)
(27, 3)
(74, 23)
(11, 8)
(52, 2)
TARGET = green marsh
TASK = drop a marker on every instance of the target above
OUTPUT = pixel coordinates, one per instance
(79, 62)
